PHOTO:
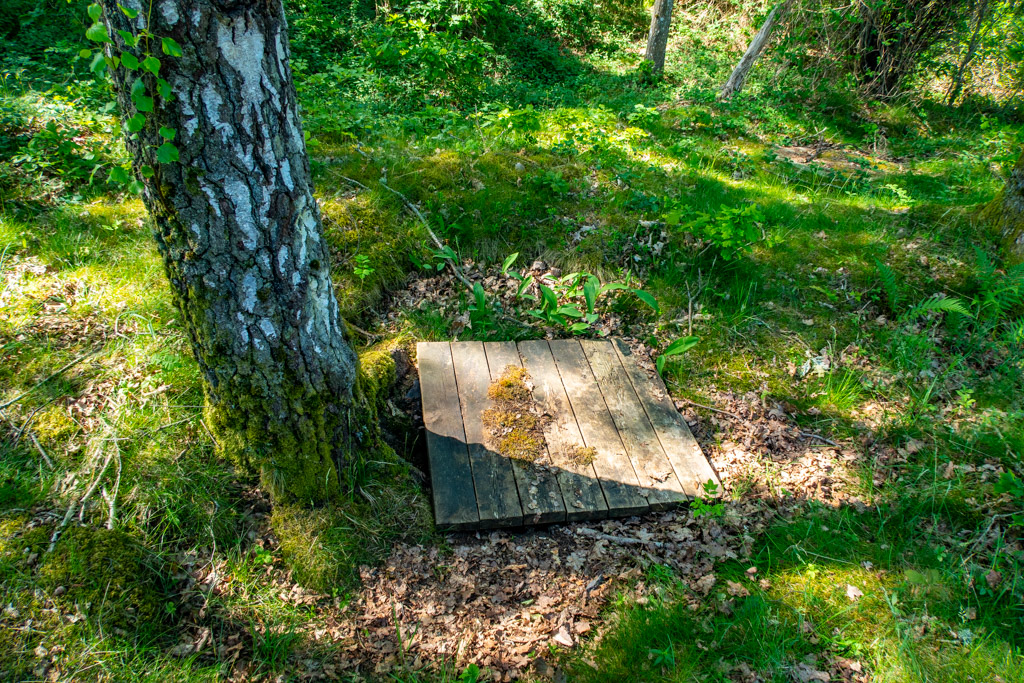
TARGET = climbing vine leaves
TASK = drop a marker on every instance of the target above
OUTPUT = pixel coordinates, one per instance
(147, 89)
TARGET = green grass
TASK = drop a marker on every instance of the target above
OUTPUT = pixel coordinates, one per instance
(562, 166)
(924, 613)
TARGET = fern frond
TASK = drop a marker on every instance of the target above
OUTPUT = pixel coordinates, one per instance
(1014, 287)
(985, 267)
(1001, 294)
(889, 285)
(940, 303)
(1015, 331)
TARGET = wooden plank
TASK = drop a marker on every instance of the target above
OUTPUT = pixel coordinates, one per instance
(539, 493)
(581, 489)
(691, 467)
(497, 497)
(619, 481)
(451, 475)
(650, 462)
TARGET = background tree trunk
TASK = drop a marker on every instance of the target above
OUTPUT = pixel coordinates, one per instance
(240, 235)
(739, 74)
(957, 83)
(657, 39)
(1005, 214)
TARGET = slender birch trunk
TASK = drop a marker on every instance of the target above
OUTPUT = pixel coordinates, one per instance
(739, 74)
(657, 39)
(957, 84)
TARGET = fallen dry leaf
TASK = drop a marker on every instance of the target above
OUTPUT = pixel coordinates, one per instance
(802, 673)
(736, 589)
(562, 637)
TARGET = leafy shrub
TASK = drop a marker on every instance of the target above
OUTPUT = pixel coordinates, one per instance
(732, 230)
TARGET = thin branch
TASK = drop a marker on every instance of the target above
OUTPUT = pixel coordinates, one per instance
(113, 497)
(354, 182)
(621, 540)
(368, 335)
(433, 236)
(209, 433)
(714, 410)
(39, 384)
(35, 442)
(28, 420)
(173, 424)
(435, 239)
(79, 504)
(820, 438)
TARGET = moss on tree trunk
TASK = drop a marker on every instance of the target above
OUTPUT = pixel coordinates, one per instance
(240, 235)
(1005, 214)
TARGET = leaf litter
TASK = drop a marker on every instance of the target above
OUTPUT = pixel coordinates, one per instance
(500, 599)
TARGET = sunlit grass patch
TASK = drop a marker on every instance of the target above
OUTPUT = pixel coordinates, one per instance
(828, 591)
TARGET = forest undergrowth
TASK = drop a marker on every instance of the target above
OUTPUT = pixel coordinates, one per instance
(803, 265)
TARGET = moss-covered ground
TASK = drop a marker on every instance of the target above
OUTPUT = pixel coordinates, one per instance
(862, 213)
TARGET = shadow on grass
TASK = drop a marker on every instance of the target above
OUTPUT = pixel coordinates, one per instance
(881, 590)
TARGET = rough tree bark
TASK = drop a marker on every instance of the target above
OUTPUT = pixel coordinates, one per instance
(657, 39)
(739, 74)
(240, 235)
(1005, 214)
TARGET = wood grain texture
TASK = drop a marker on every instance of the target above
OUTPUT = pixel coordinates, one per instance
(539, 492)
(653, 469)
(619, 481)
(596, 396)
(581, 488)
(451, 474)
(497, 495)
(691, 467)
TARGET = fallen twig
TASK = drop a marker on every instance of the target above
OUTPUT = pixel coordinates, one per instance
(28, 420)
(819, 438)
(368, 335)
(435, 239)
(35, 442)
(39, 384)
(173, 424)
(714, 410)
(621, 540)
(209, 433)
(112, 500)
(433, 236)
(79, 504)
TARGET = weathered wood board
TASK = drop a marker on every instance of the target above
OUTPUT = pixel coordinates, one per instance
(644, 456)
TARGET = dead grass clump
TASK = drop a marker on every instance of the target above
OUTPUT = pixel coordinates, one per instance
(515, 426)
(497, 420)
(512, 387)
(521, 444)
(582, 455)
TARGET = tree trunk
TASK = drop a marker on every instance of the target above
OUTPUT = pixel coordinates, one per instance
(657, 40)
(957, 84)
(1005, 214)
(739, 74)
(240, 235)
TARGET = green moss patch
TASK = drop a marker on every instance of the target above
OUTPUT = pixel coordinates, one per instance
(326, 546)
(514, 424)
(108, 575)
(580, 455)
